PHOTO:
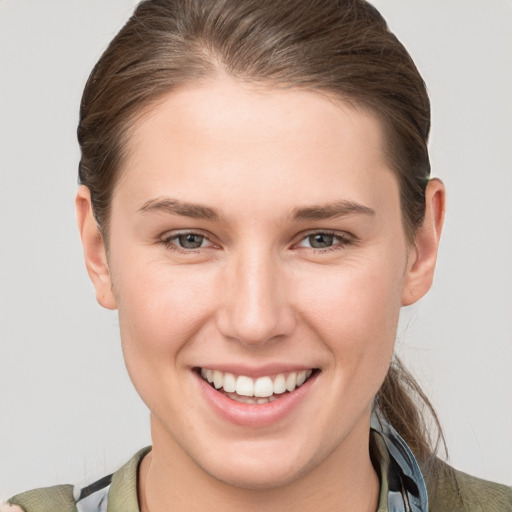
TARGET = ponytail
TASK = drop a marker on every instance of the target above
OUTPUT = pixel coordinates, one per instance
(403, 403)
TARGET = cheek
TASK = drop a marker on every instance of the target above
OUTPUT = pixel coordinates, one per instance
(161, 306)
(161, 309)
(355, 312)
(364, 297)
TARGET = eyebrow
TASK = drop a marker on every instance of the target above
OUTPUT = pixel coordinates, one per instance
(331, 210)
(198, 211)
(176, 207)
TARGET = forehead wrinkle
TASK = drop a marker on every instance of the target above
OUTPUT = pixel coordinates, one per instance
(177, 207)
(330, 210)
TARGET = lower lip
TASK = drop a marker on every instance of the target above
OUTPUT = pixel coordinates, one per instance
(254, 415)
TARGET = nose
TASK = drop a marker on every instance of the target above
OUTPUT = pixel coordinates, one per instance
(256, 307)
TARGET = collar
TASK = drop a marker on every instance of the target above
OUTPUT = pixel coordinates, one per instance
(402, 487)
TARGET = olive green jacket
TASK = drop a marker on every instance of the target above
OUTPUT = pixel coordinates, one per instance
(450, 490)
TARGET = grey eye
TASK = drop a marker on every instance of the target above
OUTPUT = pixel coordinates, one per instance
(190, 241)
(321, 240)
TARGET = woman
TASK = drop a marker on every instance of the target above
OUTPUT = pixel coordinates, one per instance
(255, 202)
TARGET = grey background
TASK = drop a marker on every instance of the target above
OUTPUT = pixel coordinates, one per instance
(67, 410)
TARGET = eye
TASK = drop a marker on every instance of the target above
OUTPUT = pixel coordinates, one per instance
(186, 241)
(320, 240)
(324, 240)
(190, 241)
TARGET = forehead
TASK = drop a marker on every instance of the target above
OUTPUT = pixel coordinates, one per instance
(241, 142)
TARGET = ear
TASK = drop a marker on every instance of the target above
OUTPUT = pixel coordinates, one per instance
(423, 251)
(94, 249)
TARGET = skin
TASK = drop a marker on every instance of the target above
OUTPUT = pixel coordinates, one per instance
(257, 292)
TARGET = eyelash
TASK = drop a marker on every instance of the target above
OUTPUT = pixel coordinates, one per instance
(343, 238)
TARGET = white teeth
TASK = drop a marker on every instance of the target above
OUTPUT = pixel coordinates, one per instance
(244, 386)
(279, 384)
(218, 379)
(301, 378)
(229, 383)
(250, 399)
(264, 388)
(291, 381)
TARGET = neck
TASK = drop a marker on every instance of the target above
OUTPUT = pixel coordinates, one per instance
(170, 480)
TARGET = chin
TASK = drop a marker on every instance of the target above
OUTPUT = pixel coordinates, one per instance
(257, 476)
(259, 468)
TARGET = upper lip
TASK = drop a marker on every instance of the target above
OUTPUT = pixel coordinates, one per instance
(257, 371)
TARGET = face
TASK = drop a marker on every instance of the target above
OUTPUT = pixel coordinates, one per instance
(256, 240)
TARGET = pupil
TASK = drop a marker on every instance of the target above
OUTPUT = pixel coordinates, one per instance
(321, 241)
(190, 241)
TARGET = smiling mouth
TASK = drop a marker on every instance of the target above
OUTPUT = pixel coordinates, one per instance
(262, 390)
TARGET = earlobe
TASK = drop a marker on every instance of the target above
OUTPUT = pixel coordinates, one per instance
(423, 253)
(94, 249)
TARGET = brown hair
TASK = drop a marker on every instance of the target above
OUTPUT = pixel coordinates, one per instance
(342, 47)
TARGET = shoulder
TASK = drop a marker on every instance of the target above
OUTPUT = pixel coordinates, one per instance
(449, 489)
(118, 490)
(48, 499)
